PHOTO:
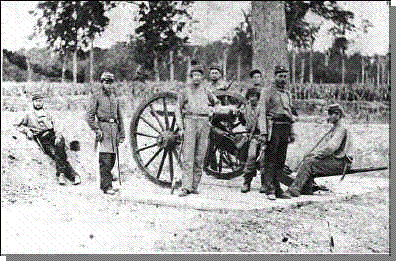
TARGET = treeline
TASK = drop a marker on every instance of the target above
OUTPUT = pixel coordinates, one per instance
(119, 59)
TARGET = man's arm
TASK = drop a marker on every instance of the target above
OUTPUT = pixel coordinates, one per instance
(121, 122)
(181, 100)
(262, 107)
(333, 144)
(91, 113)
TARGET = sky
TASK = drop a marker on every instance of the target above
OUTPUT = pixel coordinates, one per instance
(216, 20)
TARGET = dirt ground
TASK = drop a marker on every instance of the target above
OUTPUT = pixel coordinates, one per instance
(38, 216)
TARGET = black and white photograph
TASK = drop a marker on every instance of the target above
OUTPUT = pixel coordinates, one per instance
(195, 127)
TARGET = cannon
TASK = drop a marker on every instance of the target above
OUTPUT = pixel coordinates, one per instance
(156, 142)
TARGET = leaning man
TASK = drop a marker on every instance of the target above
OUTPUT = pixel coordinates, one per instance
(105, 119)
(38, 125)
(332, 157)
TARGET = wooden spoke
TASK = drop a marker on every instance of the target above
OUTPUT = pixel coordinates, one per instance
(173, 123)
(147, 147)
(170, 165)
(146, 135)
(153, 157)
(166, 114)
(177, 156)
(154, 113)
(151, 125)
(161, 164)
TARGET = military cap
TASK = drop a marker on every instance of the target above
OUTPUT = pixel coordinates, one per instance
(252, 72)
(335, 108)
(251, 92)
(196, 68)
(107, 76)
(37, 95)
(216, 67)
(280, 68)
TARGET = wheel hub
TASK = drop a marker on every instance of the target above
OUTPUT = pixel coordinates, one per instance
(168, 140)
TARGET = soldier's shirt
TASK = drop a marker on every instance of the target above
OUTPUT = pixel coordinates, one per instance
(251, 116)
(338, 142)
(197, 101)
(101, 108)
(274, 103)
(220, 85)
(37, 121)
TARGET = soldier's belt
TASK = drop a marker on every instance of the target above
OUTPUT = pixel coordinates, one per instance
(108, 120)
(281, 119)
(197, 114)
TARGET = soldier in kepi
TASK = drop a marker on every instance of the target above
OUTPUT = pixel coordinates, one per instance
(249, 118)
(276, 126)
(195, 104)
(216, 83)
(105, 119)
(38, 125)
(333, 155)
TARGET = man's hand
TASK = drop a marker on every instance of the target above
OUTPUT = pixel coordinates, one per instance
(122, 139)
(58, 139)
(29, 134)
(292, 138)
(99, 135)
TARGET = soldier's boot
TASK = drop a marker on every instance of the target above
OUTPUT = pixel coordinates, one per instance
(296, 187)
(267, 186)
(114, 178)
(246, 184)
(307, 189)
(77, 180)
(61, 179)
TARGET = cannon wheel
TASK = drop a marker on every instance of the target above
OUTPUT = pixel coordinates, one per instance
(156, 143)
(227, 165)
(154, 138)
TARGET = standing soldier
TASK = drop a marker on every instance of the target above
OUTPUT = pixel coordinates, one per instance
(39, 126)
(109, 129)
(276, 125)
(216, 83)
(194, 103)
(250, 116)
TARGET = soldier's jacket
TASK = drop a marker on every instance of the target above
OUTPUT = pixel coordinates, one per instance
(250, 116)
(274, 103)
(338, 143)
(37, 121)
(101, 109)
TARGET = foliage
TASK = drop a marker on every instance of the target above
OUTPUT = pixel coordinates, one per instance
(161, 25)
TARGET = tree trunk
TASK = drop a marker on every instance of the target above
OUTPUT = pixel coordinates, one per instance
(269, 37)
(327, 56)
(225, 64)
(172, 68)
(363, 66)
(29, 70)
(63, 67)
(343, 69)
(302, 73)
(75, 66)
(239, 68)
(91, 62)
(156, 71)
(378, 71)
(311, 65)
(293, 67)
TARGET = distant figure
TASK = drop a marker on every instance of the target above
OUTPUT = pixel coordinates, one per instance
(333, 156)
(105, 119)
(38, 125)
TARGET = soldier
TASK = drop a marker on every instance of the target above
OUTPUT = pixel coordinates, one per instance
(109, 129)
(39, 125)
(250, 116)
(276, 126)
(194, 102)
(332, 157)
(216, 83)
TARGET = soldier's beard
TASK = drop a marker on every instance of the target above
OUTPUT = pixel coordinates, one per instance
(39, 107)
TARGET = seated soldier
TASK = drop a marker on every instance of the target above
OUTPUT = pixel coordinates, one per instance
(332, 157)
(39, 126)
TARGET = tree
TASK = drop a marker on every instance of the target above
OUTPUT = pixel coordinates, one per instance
(269, 36)
(70, 25)
(160, 30)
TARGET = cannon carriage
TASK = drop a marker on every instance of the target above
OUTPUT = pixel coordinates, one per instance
(156, 142)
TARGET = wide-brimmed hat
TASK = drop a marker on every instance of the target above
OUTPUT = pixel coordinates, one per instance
(280, 68)
(335, 108)
(107, 76)
(37, 95)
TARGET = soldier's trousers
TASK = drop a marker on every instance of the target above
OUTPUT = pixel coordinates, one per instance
(106, 164)
(312, 166)
(275, 155)
(57, 152)
(196, 138)
(252, 165)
